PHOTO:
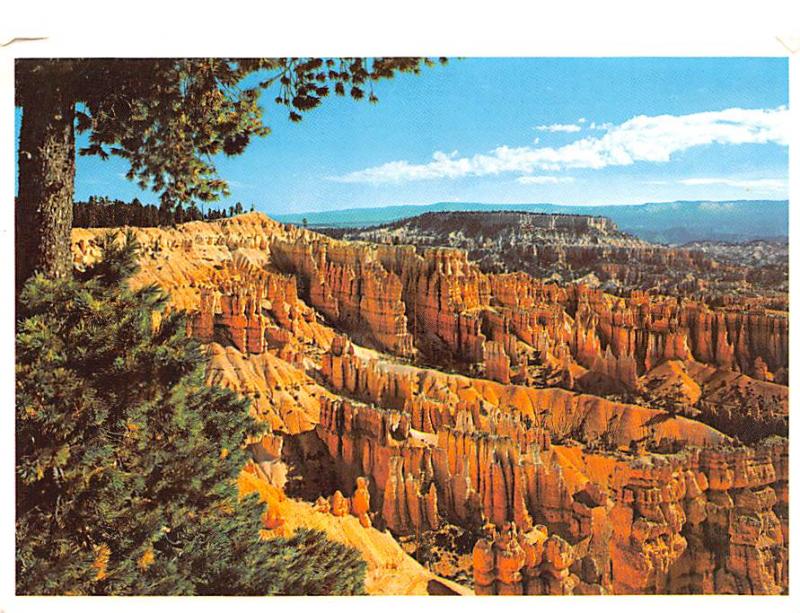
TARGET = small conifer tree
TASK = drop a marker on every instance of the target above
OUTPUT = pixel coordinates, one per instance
(127, 462)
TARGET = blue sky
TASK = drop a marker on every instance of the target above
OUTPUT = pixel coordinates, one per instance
(566, 131)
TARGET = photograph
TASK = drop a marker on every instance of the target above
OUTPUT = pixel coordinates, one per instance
(400, 325)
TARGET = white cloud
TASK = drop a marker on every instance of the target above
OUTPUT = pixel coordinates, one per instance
(559, 127)
(543, 179)
(756, 185)
(640, 139)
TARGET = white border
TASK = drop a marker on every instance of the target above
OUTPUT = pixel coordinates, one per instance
(148, 28)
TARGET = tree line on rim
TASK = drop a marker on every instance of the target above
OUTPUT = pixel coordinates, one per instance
(103, 212)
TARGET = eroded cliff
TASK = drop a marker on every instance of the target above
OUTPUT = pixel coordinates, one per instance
(582, 442)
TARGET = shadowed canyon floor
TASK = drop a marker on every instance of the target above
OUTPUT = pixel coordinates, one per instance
(516, 436)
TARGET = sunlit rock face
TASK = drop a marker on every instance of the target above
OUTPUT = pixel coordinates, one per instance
(583, 442)
(593, 251)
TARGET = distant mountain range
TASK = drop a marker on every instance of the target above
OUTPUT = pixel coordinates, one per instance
(662, 222)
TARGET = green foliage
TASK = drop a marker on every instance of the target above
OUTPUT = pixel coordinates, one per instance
(168, 117)
(127, 461)
(103, 212)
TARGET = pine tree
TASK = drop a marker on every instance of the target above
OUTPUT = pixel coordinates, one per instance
(126, 460)
(166, 117)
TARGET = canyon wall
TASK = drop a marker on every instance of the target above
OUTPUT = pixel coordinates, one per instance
(587, 441)
(592, 249)
(666, 523)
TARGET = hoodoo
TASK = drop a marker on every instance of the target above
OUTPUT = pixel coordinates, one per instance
(574, 440)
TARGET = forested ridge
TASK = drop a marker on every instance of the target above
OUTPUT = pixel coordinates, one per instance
(104, 212)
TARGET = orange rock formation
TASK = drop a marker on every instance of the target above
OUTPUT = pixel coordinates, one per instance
(442, 395)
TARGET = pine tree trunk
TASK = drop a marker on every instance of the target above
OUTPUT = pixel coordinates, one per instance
(46, 181)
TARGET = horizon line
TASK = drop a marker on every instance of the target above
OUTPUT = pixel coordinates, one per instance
(511, 204)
